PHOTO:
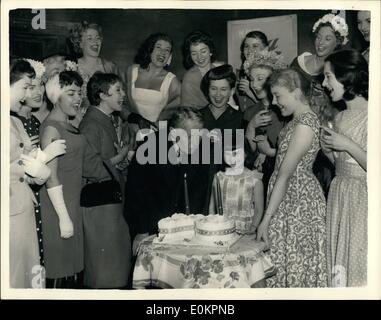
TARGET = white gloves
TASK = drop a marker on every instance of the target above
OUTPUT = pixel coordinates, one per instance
(35, 168)
(54, 149)
(66, 225)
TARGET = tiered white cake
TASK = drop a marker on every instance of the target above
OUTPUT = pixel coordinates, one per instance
(215, 229)
(178, 227)
(212, 230)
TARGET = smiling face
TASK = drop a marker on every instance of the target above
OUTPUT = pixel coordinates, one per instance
(219, 93)
(325, 41)
(35, 93)
(251, 46)
(200, 54)
(284, 99)
(335, 88)
(161, 53)
(91, 43)
(235, 158)
(115, 97)
(70, 100)
(258, 77)
(18, 92)
(363, 24)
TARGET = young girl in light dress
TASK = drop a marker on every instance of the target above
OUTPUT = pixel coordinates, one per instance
(346, 78)
(294, 223)
(241, 191)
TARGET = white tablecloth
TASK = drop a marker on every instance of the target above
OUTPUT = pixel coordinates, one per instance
(243, 265)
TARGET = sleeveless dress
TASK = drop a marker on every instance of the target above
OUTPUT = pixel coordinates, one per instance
(297, 230)
(319, 100)
(64, 257)
(150, 103)
(347, 208)
(238, 197)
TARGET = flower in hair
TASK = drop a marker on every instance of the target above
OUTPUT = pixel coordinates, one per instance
(38, 67)
(71, 66)
(338, 24)
(53, 89)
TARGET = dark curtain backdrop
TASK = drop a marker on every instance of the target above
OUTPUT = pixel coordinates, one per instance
(125, 29)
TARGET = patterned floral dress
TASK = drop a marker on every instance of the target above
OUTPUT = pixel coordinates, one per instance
(297, 230)
(347, 208)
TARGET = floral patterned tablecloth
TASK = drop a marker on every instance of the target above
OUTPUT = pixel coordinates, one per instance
(243, 265)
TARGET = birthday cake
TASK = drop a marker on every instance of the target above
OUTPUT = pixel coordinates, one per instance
(177, 227)
(216, 229)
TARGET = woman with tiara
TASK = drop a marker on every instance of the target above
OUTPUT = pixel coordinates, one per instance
(331, 33)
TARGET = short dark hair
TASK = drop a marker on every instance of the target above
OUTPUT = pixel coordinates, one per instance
(67, 78)
(143, 57)
(195, 38)
(218, 73)
(19, 68)
(183, 114)
(255, 35)
(100, 83)
(351, 70)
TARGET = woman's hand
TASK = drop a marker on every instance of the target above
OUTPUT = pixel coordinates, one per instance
(244, 86)
(331, 140)
(261, 119)
(66, 227)
(35, 141)
(264, 146)
(263, 230)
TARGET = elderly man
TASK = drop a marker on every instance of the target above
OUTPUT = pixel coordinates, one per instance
(155, 186)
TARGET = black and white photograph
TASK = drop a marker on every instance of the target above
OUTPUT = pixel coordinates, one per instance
(190, 145)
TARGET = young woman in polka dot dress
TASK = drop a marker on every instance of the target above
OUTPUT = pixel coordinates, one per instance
(346, 78)
(33, 100)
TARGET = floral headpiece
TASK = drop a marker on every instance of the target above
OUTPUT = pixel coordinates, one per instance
(38, 67)
(71, 65)
(53, 89)
(273, 59)
(338, 24)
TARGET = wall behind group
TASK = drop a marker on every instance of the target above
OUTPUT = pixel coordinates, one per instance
(125, 29)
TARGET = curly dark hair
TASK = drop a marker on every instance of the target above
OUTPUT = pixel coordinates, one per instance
(77, 31)
(352, 71)
(143, 57)
(218, 73)
(19, 68)
(338, 36)
(195, 38)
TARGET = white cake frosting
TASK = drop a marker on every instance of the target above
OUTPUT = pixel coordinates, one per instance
(178, 227)
(215, 228)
